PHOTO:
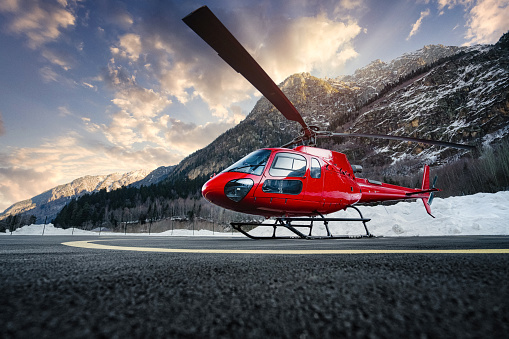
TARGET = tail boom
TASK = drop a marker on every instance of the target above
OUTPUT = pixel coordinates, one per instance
(375, 191)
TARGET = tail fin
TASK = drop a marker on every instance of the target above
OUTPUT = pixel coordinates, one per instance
(430, 190)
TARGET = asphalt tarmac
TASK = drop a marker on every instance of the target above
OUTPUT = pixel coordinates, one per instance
(162, 287)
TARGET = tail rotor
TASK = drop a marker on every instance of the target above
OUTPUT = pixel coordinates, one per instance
(432, 195)
(429, 191)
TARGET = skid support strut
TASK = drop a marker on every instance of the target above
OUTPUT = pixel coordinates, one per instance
(287, 223)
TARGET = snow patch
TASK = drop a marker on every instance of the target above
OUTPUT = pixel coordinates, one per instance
(489, 138)
(478, 214)
(50, 229)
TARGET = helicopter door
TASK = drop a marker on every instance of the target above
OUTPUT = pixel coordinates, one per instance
(283, 182)
(286, 174)
(314, 186)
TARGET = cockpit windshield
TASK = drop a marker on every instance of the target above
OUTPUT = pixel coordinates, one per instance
(253, 163)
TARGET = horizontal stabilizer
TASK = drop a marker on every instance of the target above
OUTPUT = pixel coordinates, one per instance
(423, 191)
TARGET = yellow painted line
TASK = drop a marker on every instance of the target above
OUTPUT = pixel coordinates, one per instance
(92, 245)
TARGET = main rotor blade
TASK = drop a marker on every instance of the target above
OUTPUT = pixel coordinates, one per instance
(394, 137)
(214, 33)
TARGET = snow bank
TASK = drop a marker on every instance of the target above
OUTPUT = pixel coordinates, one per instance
(478, 214)
(49, 229)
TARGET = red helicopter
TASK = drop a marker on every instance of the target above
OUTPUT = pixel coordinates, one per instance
(294, 185)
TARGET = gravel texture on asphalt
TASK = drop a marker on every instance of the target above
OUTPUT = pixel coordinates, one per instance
(48, 290)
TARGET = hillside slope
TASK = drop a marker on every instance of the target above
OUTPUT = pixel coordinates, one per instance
(465, 100)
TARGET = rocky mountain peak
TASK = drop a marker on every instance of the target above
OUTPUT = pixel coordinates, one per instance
(438, 92)
(463, 97)
(503, 42)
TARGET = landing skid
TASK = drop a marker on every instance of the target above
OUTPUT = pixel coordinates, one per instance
(287, 223)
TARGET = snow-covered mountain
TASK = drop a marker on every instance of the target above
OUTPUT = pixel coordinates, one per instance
(49, 203)
(153, 177)
(373, 78)
(456, 94)
(464, 99)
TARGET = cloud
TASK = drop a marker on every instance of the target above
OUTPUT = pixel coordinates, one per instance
(238, 113)
(115, 13)
(122, 130)
(488, 20)
(63, 155)
(126, 130)
(17, 184)
(417, 24)
(351, 4)
(88, 85)
(312, 44)
(117, 76)
(139, 118)
(129, 47)
(140, 102)
(450, 4)
(64, 111)
(189, 137)
(49, 75)
(163, 132)
(61, 58)
(186, 68)
(28, 171)
(39, 21)
(42, 23)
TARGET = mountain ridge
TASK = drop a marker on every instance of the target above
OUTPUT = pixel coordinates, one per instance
(326, 101)
(50, 202)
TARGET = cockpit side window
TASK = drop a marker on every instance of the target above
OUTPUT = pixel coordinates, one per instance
(316, 169)
(288, 165)
(253, 163)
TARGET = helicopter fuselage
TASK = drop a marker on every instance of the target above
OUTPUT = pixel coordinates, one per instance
(304, 181)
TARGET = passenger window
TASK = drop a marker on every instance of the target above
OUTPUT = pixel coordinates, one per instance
(288, 165)
(316, 169)
(282, 186)
(282, 162)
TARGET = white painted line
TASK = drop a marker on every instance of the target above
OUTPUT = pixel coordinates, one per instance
(92, 245)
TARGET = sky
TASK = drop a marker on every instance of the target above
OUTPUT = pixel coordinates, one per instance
(97, 87)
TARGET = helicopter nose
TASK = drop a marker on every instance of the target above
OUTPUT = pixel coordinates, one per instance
(206, 191)
(226, 190)
(213, 191)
